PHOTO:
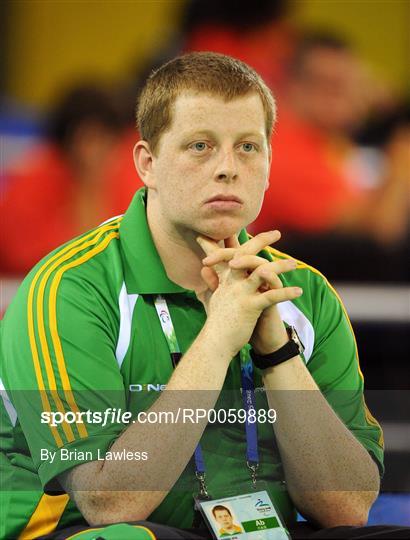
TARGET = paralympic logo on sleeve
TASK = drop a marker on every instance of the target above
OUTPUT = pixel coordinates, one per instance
(164, 316)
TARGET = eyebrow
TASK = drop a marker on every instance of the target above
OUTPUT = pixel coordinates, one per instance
(211, 134)
(200, 133)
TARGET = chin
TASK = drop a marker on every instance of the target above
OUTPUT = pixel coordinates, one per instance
(221, 227)
(221, 232)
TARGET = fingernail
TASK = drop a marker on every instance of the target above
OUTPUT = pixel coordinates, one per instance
(292, 263)
(298, 291)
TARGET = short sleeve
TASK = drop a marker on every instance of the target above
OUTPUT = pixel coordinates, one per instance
(58, 340)
(334, 365)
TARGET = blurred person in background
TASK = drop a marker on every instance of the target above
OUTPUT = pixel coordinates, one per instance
(327, 187)
(66, 184)
(257, 33)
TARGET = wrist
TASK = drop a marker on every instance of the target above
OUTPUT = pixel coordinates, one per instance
(292, 348)
(215, 341)
(277, 342)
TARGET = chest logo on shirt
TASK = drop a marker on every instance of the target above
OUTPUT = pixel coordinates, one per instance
(148, 387)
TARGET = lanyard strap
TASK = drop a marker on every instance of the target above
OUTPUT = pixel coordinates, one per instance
(248, 398)
(248, 393)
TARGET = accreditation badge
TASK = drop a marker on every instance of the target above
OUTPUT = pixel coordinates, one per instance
(249, 516)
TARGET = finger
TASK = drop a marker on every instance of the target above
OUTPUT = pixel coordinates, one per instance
(218, 261)
(232, 242)
(263, 274)
(210, 246)
(251, 262)
(211, 278)
(253, 246)
(267, 272)
(264, 287)
(259, 242)
(269, 277)
(275, 296)
(222, 255)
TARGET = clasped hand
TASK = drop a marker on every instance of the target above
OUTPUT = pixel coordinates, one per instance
(236, 262)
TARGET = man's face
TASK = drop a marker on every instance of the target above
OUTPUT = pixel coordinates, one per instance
(211, 166)
(329, 89)
(223, 518)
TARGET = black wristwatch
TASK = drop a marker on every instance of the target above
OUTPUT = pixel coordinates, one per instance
(292, 348)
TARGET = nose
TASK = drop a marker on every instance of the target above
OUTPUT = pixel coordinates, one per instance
(226, 169)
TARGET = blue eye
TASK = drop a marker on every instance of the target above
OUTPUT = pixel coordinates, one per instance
(248, 147)
(199, 146)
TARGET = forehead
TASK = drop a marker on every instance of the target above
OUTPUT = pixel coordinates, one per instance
(193, 111)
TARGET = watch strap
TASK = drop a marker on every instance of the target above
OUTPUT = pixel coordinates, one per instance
(287, 351)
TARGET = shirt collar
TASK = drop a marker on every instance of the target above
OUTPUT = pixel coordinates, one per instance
(144, 271)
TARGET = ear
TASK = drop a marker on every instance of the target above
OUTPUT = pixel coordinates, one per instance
(143, 159)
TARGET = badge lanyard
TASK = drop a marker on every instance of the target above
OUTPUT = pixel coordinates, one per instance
(248, 397)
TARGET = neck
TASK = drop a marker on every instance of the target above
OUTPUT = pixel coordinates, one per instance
(180, 253)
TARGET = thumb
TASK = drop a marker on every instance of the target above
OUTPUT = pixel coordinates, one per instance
(210, 278)
(207, 244)
(232, 242)
(210, 246)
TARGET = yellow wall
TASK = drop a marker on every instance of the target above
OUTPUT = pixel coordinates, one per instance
(379, 29)
(55, 41)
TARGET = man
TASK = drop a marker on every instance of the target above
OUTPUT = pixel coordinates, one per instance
(131, 317)
(223, 517)
(66, 184)
(328, 95)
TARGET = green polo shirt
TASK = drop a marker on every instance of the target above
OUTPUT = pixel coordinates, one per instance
(83, 334)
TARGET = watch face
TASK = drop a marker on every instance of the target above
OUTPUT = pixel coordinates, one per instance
(294, 337)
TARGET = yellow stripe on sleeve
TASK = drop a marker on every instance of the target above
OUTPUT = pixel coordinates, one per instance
(41, 327)
(54, 328)
(300, 266)
(30, 321)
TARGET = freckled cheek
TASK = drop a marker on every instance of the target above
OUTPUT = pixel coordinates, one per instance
(183, 188)
(258, 173)
(190, 177)
(255, 187)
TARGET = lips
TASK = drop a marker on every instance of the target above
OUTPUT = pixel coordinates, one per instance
(228, 198)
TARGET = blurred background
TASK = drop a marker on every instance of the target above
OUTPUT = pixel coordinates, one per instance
(340, 180)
